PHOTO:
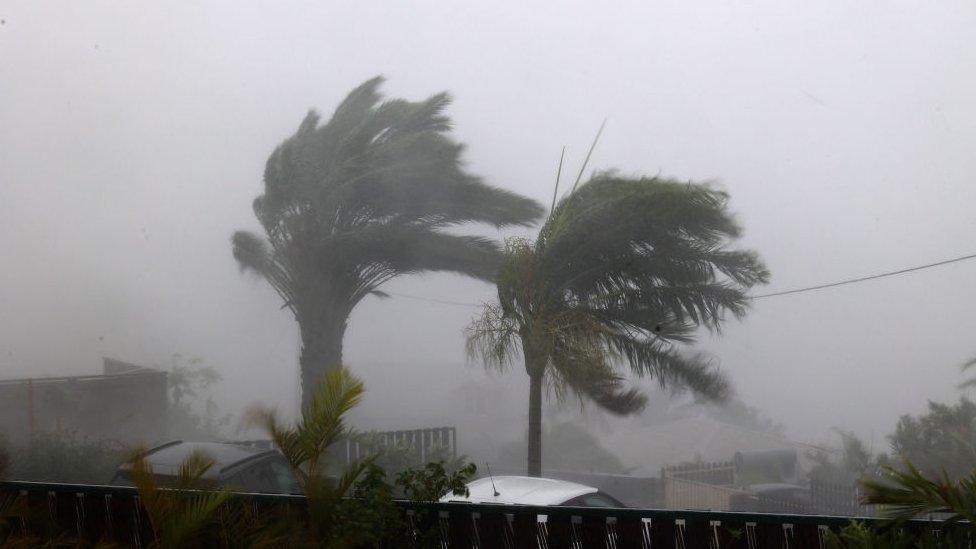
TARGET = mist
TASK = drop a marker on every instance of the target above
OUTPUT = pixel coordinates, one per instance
(135, 136)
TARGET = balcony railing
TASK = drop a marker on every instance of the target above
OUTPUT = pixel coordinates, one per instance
(114, 513)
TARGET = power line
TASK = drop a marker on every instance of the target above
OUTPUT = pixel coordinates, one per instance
(760, 296)
(865, 278)
(432, 300)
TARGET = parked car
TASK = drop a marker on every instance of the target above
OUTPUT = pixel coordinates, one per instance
(238, 467)
(533, 491)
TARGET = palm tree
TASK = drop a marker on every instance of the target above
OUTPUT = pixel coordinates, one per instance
(182, 517)
(305, 446)
(621, 271)
(907, 494)
(361, 199)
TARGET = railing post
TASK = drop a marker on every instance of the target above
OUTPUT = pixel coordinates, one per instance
(79, 513)
(542, 531)
(646, 537)
(679, 534)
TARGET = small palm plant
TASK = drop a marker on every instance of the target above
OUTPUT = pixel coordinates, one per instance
(183, 515)
(305, 446)
(910, 494)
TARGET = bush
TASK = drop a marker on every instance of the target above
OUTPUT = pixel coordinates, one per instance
(63, 458)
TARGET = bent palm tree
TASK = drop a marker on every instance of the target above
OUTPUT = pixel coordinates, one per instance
(621, 270)
(361, 199)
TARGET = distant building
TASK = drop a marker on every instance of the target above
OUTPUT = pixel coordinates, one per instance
(648, 448)
(126, 404)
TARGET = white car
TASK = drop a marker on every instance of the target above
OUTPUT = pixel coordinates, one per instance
(512, 490)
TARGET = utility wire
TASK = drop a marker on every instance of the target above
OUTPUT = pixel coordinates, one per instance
(866, 278)
(760, 296)
(432, 300)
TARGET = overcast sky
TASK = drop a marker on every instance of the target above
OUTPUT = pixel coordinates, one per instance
(133, 137)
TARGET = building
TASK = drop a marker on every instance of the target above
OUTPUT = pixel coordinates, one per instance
(126, 404)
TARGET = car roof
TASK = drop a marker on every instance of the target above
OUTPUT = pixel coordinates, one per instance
(166, 459)
(522, 490)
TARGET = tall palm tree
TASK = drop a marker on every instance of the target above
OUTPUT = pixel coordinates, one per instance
(356, 201)
(621, 271)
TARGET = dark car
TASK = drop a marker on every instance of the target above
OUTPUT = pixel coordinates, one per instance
(237, 467)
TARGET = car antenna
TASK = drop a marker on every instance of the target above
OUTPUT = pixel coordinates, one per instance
(492, 480)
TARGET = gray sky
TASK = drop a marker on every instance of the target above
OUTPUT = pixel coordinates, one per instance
(134, 137)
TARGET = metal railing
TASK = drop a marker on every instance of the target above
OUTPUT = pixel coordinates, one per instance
(114, 513)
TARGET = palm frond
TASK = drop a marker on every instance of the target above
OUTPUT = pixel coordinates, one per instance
(192, 470)
(964, 367)
(909, 494)
(493, 339)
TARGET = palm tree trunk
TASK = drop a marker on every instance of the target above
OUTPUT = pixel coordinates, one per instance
(534, 466)
(321, 352)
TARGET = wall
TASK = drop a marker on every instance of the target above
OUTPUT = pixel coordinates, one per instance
(127, 404)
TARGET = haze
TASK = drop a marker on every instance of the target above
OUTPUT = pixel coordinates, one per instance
(134, 138)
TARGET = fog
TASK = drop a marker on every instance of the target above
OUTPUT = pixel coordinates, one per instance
(134, 138)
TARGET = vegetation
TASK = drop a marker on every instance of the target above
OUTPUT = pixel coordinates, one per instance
(305, 444)
(909, 493)
(355, 509)
(942, 440)
(855, 462)
(859, 535)
(401, 456)
(361, 199)
(62, 457)
(622, 270)
(332, 518)
(571, 448)
(192, 413)
(180, 519)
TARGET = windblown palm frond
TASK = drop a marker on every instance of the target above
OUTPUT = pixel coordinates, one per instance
(306, 443)
(179, 514)
(965, 367)
(321, 425)
(623, 271)
(909, 494)
(360, 199)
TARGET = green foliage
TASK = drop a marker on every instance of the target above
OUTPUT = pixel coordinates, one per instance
(360, 199)
(622, 271)
(63, 457)
(965, 367)
(305, 447)
(400, 456)
(180, 519)
(943, 439)
(856, 462)
(908, 494)
(858, 535)
(192, 412)
(570, 448)
(433, 482)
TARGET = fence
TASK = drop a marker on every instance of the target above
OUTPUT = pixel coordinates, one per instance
(111, 513)
(689, 494)
(704, 486)
(424, 441)
(719, 473)
(711, 486)
(838, 499)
